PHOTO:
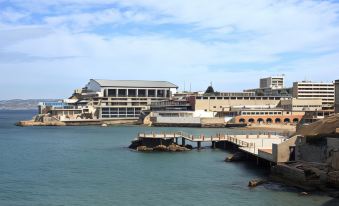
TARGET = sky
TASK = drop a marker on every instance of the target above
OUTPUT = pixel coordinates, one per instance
(49, 48)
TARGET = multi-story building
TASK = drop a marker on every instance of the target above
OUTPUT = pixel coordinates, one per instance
(226, 103)
(312, 90)
(274, 82)
(271, 86)
(301, 105)
(336, 101)
(126, 98)
(110, 100)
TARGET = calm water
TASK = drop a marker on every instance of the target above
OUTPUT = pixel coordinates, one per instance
(92, 166)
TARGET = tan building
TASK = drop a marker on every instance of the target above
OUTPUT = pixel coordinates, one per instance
(301, 105)
(311, 90)
(224, 104)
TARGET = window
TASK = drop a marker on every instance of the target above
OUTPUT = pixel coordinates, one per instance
(142, 93)
(122, 92)
(151, 93)
(112, 92)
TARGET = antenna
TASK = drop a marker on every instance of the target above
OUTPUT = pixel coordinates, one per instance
(184, 86)
(190, 87)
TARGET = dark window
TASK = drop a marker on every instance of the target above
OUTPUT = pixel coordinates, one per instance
(132, 92)
(151, 93)
(112, 92)
(122, 92)
(160, 93)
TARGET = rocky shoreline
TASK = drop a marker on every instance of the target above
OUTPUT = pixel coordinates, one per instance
(143, 146)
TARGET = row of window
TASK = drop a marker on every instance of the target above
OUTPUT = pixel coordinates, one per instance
(115, 112)
(240, 98)
(261, 113)
(135, 93)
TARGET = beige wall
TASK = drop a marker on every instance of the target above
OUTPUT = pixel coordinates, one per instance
(217, 105)
(281, 152)
(301, 104)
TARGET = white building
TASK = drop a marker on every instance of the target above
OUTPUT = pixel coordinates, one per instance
(271, 86)
(274, 82)
(312, 90)
(124, 99)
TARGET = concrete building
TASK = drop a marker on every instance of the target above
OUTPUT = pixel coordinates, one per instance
(336, 101)
(124, 99)
(110, 100)
(271, 86)
(312, 90)
(301, 105)
(226, 103)
(274, 82)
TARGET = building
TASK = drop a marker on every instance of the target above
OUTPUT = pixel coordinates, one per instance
(110, 100)
(274, 82)
(226, 103)
(301, 105)
(336, 101)
(271, 86)
(124, 99)
(312, 90)
(266, 116)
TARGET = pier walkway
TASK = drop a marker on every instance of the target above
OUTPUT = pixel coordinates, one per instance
(259, 145)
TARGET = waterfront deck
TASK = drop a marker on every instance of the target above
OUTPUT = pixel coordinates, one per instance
(259, 145)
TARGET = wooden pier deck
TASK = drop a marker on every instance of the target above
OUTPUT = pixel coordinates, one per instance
(259, 145)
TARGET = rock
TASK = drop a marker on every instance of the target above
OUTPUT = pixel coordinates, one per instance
(135, 144)
(174, 148)
(256, 182)
(303, 193)
(160, 148)
(238, 156)
(188, 146)
(144, 149)
(104, 125)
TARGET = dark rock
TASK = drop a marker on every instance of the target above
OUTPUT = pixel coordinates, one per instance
(188, 146)
(135, 144)
(238, 156)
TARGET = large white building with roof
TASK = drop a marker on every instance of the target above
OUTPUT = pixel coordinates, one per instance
(124, 99)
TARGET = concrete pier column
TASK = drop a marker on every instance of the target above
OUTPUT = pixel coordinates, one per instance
(199, 145)
(213, 144)
(183, 141)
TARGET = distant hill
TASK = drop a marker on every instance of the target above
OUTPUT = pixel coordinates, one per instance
(22, 104)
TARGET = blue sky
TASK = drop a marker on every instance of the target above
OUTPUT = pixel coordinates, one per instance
(48, 48)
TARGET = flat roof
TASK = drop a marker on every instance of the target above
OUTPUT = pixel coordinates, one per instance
(135, 83)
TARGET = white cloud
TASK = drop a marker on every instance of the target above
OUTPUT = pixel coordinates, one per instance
(231, 43)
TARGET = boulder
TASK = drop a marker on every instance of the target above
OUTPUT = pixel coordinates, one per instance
(238, 156)
(256, 182)
(188, 146)
(160, 148)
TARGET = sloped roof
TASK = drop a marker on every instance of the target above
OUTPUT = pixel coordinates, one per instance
(135, 83)
(323, 127)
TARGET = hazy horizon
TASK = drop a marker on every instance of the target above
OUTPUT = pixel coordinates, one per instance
(50, 48)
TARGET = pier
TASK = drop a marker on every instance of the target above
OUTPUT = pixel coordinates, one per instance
(256, 145)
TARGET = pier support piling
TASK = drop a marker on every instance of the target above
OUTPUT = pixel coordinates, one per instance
(199, 145)
(213, 144)
(183, 141)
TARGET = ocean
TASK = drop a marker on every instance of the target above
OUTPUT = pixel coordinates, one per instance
(91, 165)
